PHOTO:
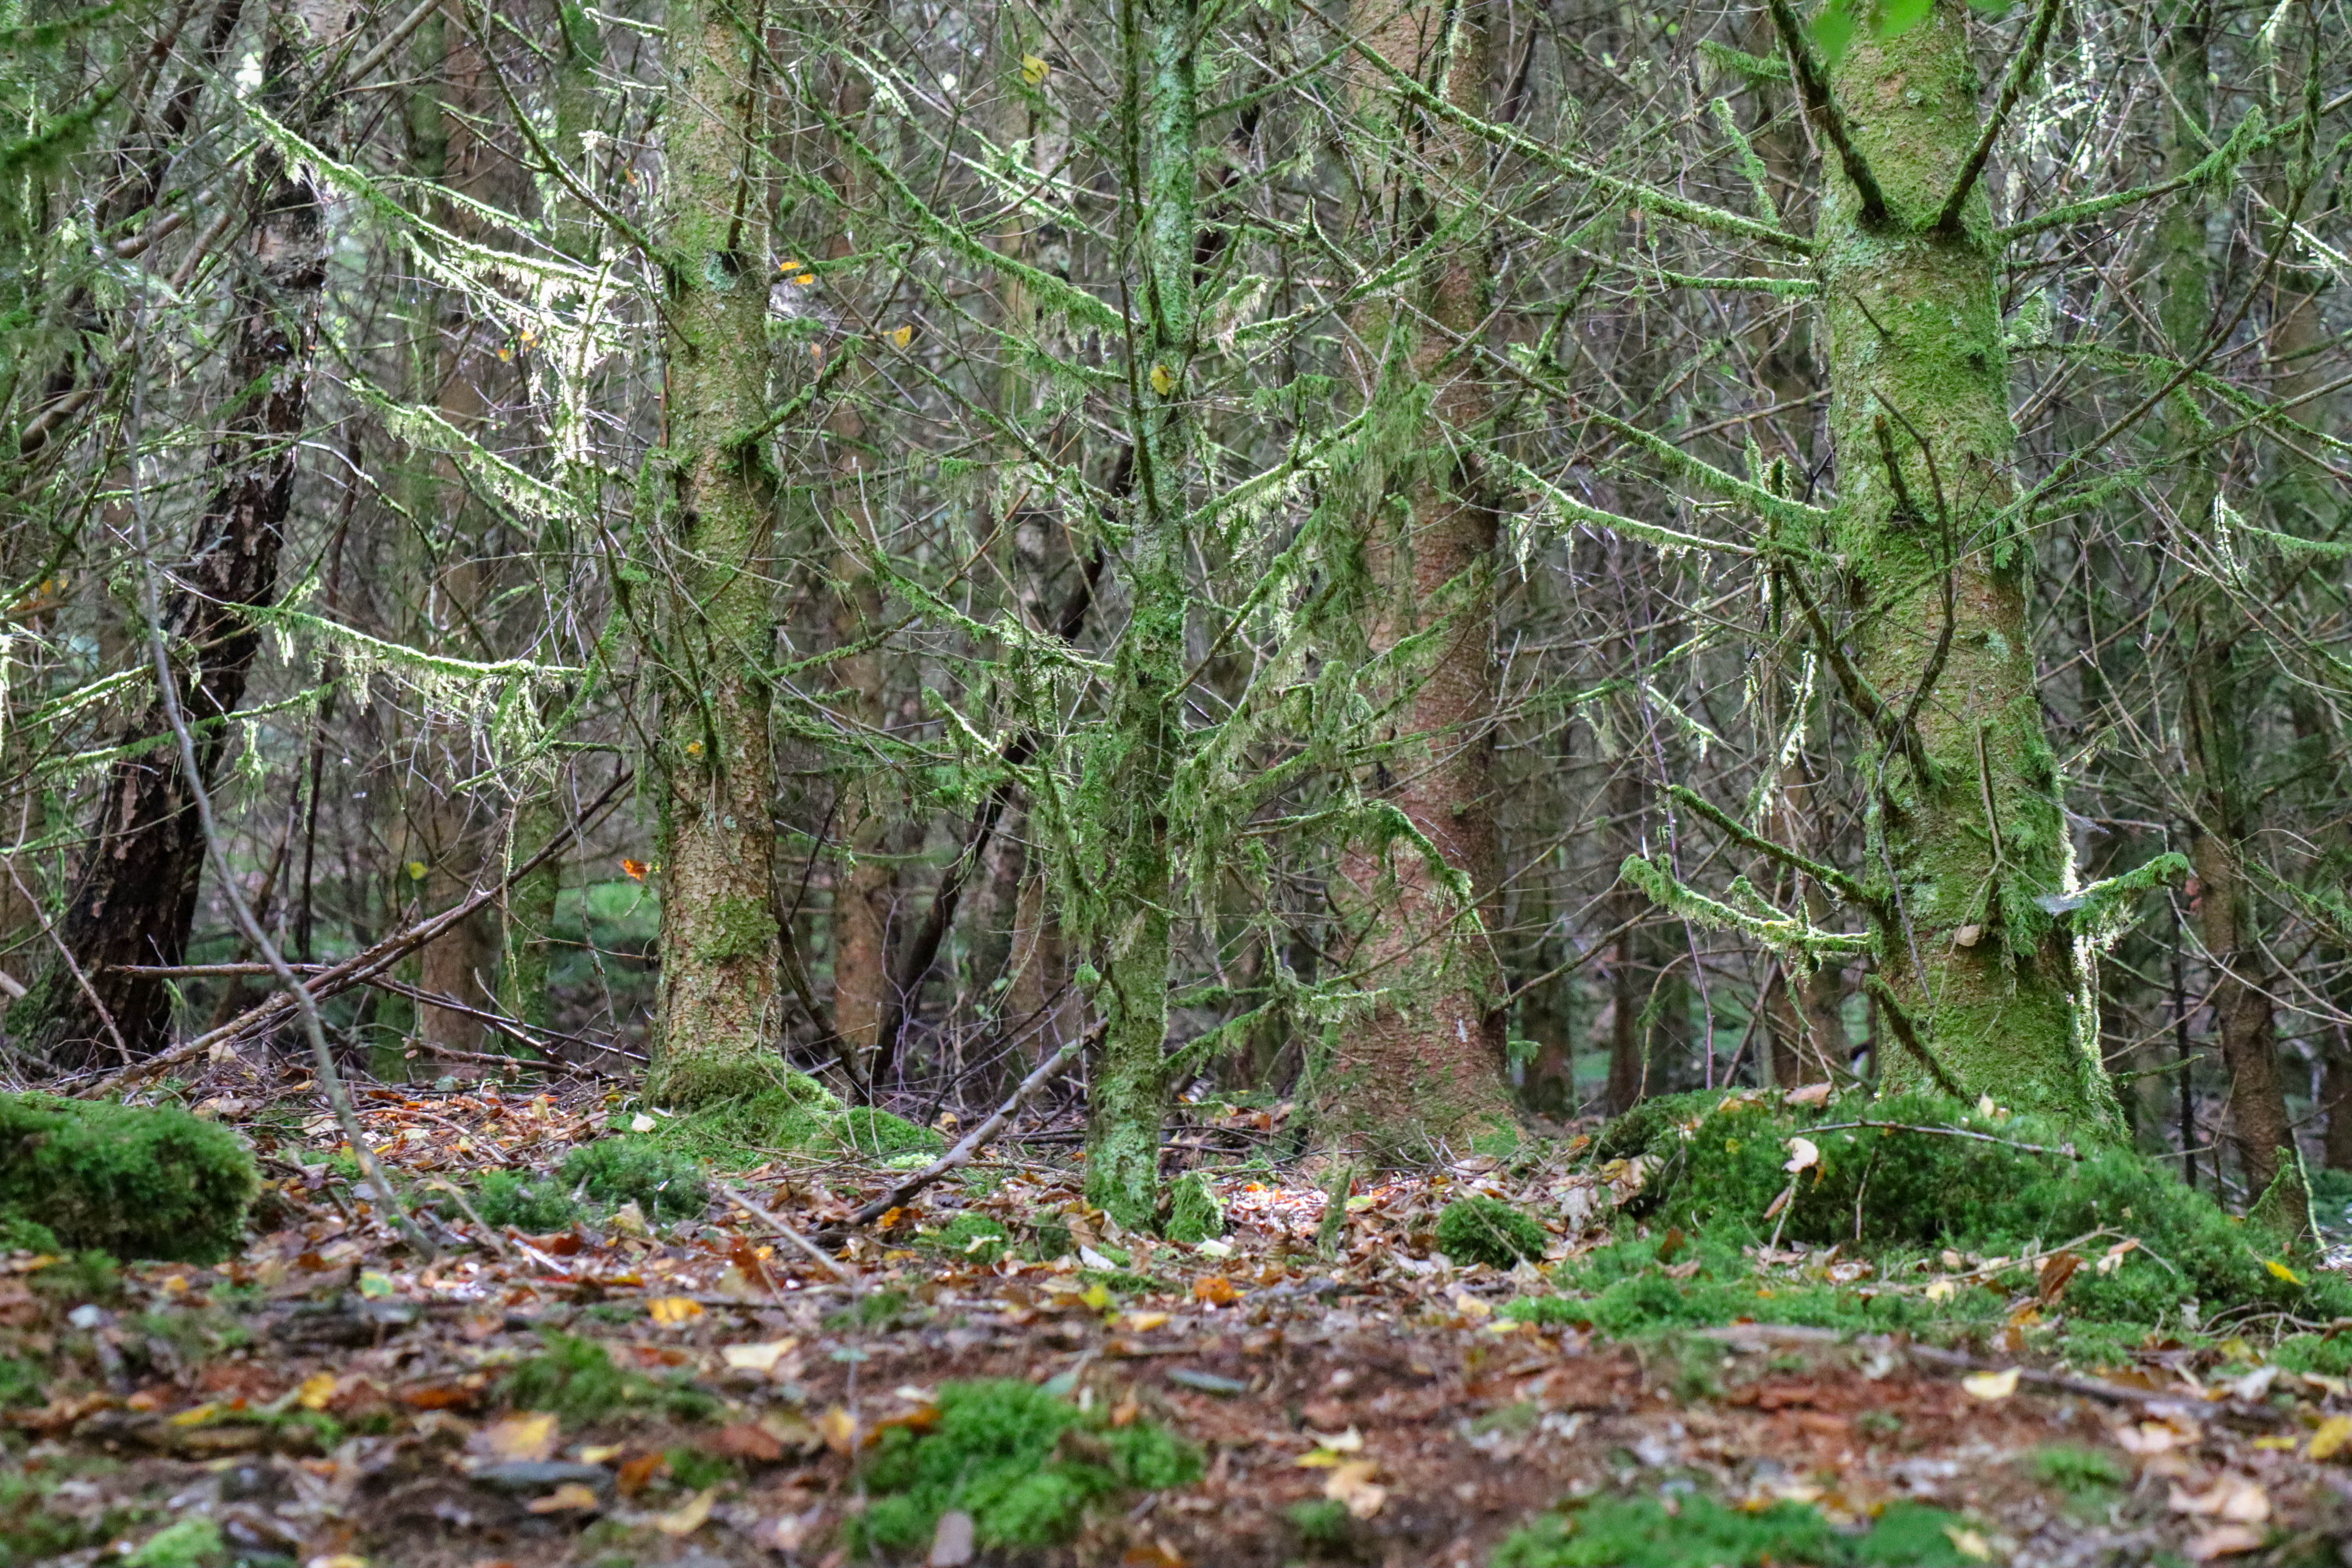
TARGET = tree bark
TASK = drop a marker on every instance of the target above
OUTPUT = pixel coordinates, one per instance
(134, 898)
(1967, 832)
(1426, 1068)
(711, 503)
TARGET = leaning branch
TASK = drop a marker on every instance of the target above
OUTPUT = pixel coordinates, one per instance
(1822, 105)
(2020, 70)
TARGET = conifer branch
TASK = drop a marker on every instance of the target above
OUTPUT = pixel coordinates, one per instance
(2020, 69)
(1823, 104)
(1830, 877)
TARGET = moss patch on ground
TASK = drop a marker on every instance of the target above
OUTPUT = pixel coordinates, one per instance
(136, 1182)
(1026, 1465)
(575, 1379)
(1900, 1179)
(792, 1114)
(1489, 1231)
(1696, 1532)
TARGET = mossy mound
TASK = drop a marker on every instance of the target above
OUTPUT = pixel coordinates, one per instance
(1489, 1231)
(1194, 1213)
(132, 1181)
(792, 1114)
(1026, 1465)
(575, 1379)
(1700, 1532)
(975, 1238)
(533, 1204)
(1919, 1172)
(664, 1184)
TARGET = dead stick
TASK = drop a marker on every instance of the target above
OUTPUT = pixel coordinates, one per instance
(973, 1141)
(789, 1234)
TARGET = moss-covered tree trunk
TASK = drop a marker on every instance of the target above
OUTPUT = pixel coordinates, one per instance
(1425, 1067)
(710, 500)
(1966, 833)
(134, 897)
(1133, 770)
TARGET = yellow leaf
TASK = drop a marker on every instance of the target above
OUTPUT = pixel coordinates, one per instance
(197, 1417)
(528, 1436)
(1143, 1322)
(2330, 1440)
(1352, 1484)
(1942, 1290)
(761, 1357)
(1163, 380)
(687, 1517)
(1989, 1386)
(805, 278)
(317, 1389)
(416, 869)
(2283, 1271)
(569, 1497)
(1970, 1544)
(1317, 1459)
(671, 1311)
(1097, 1297)
(1034, 71)
(838, 1428)
(903, 336)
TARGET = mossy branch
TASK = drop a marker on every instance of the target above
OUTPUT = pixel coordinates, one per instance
(1830, 877)
(1779, 508)
(1822, 105)
(1574, 510)
(2101, 911)
(1784, 935)
(1759, 178)
(2222, 163)
(2020, 69)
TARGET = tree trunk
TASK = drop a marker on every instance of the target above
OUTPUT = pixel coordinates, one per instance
(1425, 1068)
(712, 502)
(1134, 769)
(134, 899)
(1968, 828)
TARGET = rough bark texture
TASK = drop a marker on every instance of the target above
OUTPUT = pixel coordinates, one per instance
(1989, 981)
(1425, 1067)
(711, 500)
(134, 898)
(1133, 769)
(1804, 1018)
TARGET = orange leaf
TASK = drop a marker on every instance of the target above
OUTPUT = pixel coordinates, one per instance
(1216, 1289)
(634, 870)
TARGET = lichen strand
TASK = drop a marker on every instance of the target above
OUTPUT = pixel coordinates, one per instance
(1916, 367)
(710, 503)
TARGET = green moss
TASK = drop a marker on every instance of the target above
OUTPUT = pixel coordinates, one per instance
(20, 1382)
(503, 1199)
(18, 1234)
(576, 1379)
(1968, 1182)
(1320, 1521)
(1026, 1465)
(1488, 1230)
(663, 1183)
(136, 1182)
(187, 1544)
(1700, 1532)
(972, 1236)
(2077, 1471)
(1194, 1213)
(878, 1133)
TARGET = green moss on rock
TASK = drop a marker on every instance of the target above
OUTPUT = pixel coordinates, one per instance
(877, 1134)
(1489, 1231)
(133, 1181)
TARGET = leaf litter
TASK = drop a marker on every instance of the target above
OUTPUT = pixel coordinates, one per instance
(1004, 1375)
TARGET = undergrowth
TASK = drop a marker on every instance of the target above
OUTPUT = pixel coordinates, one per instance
(794, 1114)
(1696, 1532)
(1026, 1465)
(1930, 1189)
(575, 1379)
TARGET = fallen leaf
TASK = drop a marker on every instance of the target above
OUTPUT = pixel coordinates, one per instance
(634, 1473)
(1804, 1155)
(316, 1390)
(640, 1123)
(1142, 1322)
(761, 1357)
(530, 1436)
(1991, 1386)
(2234, 1499)
(600, 1452)
(2051, 1282)
(1352, 1485)
(569, 1497)
(1472, 1308)
(1809, 1094)
(2224, 1540)
(1163, 380)
(1968, 1543)
(196, 1416)
(1216, 1289)
(671, 1311)
(903, 336)
(744, 1440)
(687, 1517)
(839, 1429)
(2283, 1271)
(2329, 1441)
(1941, 1291)
(1034, 69)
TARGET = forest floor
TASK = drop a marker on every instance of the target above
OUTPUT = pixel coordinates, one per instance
(602, 1396)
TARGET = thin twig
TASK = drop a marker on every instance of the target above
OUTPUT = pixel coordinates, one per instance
(789, 1234)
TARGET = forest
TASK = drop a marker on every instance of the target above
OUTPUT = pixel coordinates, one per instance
(1175, 781)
